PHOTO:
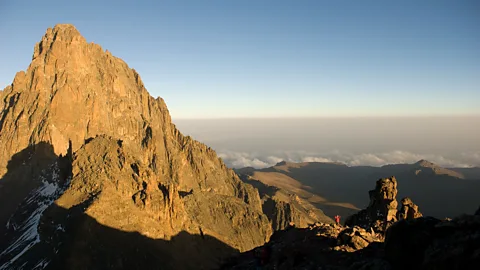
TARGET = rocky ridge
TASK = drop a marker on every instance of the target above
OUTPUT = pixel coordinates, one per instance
(425, 166)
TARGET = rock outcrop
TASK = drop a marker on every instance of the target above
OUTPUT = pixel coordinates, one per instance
(382, 209)
(79, 128)
(320, 246)
(421, 243)
(408, 210)
(281, 214)
(284, 207)
(356, 238)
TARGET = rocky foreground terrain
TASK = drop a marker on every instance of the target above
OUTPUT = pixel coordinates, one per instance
(378, 237)
(94, 175)
(338, 189)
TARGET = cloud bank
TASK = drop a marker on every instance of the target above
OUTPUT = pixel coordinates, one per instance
(446, 141)
(243, 159)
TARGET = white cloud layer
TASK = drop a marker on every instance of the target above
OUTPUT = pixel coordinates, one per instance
(446, 141)
(243, 159)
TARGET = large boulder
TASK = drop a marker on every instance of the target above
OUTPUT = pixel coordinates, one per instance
(408, 210)
(357, 238)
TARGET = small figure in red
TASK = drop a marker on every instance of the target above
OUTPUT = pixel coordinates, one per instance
(337, 219)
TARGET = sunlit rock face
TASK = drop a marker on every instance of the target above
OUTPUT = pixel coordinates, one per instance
(409, 210)
(88, 153)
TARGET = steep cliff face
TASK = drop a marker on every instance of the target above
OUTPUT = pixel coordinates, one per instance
(115, 147)
(73, 90)
(285, 204)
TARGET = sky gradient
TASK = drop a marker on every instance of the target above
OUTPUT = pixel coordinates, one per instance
(217, 59)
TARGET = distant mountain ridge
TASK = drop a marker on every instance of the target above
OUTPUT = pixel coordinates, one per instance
(425, 166)
(438, 191)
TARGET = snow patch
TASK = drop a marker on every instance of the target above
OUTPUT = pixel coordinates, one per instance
(41, 264)
(35, 204)
(60, 228)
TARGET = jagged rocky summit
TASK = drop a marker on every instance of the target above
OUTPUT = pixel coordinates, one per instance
(382, 208)
(94, 174)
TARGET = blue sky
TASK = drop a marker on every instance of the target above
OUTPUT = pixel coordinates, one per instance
(211, 59)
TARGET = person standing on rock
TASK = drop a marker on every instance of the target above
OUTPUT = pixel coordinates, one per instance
(337, 219)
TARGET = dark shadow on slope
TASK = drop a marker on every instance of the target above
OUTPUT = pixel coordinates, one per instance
(262, 188)
(8, 105)
(468, 173)
(296, 248)
(293, 209)
(23, 171)
(70, 239)
(34, 177)
(334, 182)
(422, 243)
(327, 181)
(437, 195)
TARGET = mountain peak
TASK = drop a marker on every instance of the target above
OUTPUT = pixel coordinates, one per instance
(78, 106)
(425, 163)
(64, 34)
(65, 30)
(104, 95)
(281, 163)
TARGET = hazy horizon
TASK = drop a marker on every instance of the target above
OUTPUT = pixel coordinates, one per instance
(373, 141)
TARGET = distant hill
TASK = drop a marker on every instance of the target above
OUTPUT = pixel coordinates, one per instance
(468, 173)
(423, 167)
(337, 188)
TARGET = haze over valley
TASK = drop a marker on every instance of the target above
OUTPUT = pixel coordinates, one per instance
(436, 160)
(370, 141)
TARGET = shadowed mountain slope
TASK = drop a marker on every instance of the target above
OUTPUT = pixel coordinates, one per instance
(440, 192)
